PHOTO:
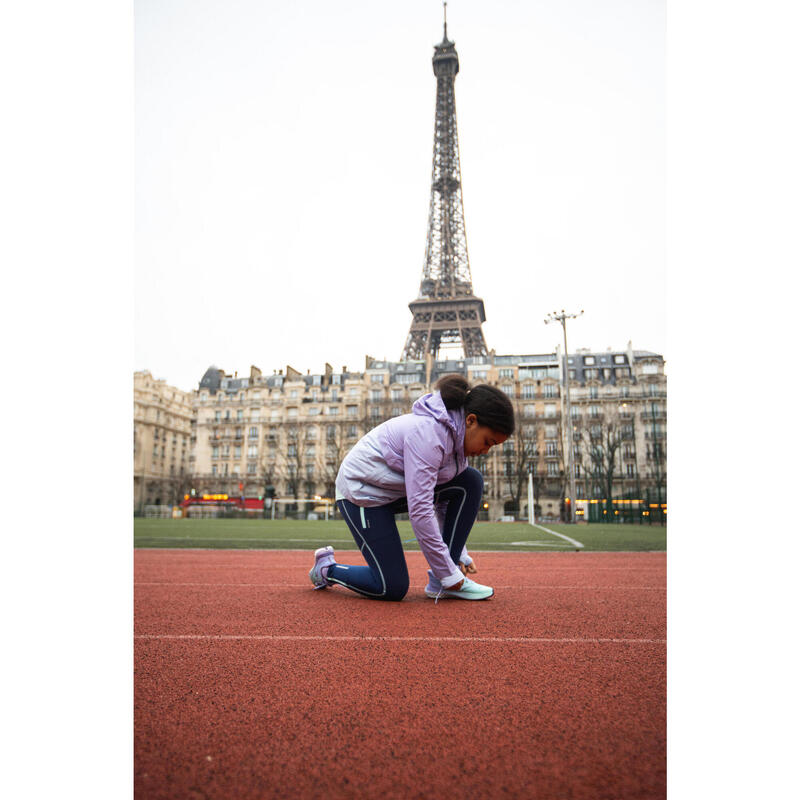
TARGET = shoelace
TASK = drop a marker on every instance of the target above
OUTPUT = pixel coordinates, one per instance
(438, 596)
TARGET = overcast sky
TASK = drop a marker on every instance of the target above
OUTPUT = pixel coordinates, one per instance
(283, 160)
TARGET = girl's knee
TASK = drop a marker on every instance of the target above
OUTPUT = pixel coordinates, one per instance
(473, 478)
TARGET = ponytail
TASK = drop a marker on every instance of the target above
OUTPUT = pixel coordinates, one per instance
(491, 407)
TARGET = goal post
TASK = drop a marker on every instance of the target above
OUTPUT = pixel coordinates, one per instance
(313, 501)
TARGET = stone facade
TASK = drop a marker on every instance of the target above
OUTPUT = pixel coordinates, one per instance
(290, 430)
(162, 429)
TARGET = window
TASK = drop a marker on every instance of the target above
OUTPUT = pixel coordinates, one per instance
(552, 469)
(316, 380)
(551, 448)
(588, 360)
(336, 379)
(239, 414)
(574, 412)
(252, 451)
(217, 416)
(254, 415)
(550, 390)
(291, 450)
(237, 451)
(594, 411)
(508, 388)
(650, 369)
(215, 452)
(351, 431)
(313, 411)
(619, 359)
(479, 375)
(397, 394)
(505, 373)
(629, 470)
(330, 432)
(235, 469)
(213, 469)
(293, 393)
(376, 378)
(352, 411)
(334, 394)
(251, 468)
(528, 391)
(333, 411)
(529, 410)
(375, 395)
(397, 411)
(549, 409)
(593, 392)
(595, 432)
(291, 413)
(550, 431)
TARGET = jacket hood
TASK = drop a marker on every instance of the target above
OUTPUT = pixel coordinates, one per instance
(432, 405)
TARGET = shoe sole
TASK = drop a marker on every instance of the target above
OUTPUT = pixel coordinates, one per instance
(317, 553)
(458, 596)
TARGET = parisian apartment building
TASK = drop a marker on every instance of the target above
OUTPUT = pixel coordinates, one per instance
(162, 433)
(284, 434)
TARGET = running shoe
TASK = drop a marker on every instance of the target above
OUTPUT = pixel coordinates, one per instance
(469, 589)
(323, 558)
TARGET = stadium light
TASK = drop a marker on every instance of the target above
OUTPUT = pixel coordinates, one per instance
(554, 316)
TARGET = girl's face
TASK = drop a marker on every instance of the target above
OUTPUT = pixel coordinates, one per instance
(478, 438)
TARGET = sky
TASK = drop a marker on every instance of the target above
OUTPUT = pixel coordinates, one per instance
(283, 156)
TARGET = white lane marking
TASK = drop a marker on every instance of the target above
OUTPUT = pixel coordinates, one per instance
(561, 535)
(305, 585)
(276, 638)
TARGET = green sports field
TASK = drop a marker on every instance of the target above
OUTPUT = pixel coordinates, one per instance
(307, 535)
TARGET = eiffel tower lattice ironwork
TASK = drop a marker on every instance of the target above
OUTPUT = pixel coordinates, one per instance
(446, 312)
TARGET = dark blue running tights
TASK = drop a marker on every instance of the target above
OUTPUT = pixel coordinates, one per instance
(376, 534)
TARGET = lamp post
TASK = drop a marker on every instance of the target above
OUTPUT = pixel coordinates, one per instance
(562, 317)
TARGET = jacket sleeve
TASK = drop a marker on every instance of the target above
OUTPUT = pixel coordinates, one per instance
(422, 457)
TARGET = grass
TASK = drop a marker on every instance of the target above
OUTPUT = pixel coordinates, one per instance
(264, 534)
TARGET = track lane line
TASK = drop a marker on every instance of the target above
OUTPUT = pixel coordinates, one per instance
(287, 638)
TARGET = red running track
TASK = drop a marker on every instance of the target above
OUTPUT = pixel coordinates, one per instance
(249, 684)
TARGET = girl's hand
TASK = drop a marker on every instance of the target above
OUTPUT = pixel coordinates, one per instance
(470, 569)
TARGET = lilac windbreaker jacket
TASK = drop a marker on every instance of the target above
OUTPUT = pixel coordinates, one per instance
(408, 456)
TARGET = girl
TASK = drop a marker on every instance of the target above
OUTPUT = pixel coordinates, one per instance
(417, 463)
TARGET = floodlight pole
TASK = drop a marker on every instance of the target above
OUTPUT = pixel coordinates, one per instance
(555, 316)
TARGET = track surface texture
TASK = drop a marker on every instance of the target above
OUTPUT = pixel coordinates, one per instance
(249, 684)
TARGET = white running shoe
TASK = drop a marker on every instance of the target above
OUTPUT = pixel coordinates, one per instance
(323, 558)
(469, 589)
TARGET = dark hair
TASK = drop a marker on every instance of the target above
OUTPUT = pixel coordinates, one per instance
(491, 406)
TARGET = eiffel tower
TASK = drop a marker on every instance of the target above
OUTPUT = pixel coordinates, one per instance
(446, 312)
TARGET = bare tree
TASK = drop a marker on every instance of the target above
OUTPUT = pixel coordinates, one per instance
(520, 456)
(600, 443)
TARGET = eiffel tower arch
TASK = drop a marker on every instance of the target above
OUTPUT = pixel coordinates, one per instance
(446, 311)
